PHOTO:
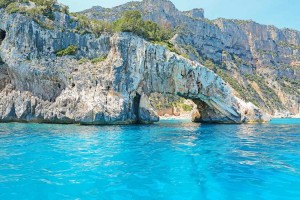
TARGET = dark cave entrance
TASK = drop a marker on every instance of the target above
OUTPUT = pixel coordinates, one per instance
(2, 35)
(4, 75)
(136, 107)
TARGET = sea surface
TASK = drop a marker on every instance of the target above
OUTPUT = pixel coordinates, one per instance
(168, 160)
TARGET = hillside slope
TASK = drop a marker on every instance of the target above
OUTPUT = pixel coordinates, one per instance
(261, 63)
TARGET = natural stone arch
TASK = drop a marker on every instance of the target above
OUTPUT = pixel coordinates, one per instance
(115, 91)
(167, 73)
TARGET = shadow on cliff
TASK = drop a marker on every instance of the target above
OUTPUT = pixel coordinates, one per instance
(2, 35)
(4, 76)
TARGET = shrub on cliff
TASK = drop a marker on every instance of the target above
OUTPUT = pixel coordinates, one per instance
(132, 21)
(99, 59)
(91, 26)
(5, 3)
(42, 7)
(70, 50)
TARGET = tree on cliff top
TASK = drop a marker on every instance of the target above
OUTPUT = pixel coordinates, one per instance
(132, 21)
(46, 3)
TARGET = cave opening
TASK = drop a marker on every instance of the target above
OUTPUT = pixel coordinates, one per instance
(173, 106)
(136, 106)
(2, 35)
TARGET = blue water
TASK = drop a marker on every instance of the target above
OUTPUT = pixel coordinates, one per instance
(169, 160)
(285, 121)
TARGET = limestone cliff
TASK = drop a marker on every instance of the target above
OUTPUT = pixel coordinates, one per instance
(261, 63)
(37, 85)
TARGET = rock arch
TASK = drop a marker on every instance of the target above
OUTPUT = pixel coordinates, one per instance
(152, 69)
(115, 91)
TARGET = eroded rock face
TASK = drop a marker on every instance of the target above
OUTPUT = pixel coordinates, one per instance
(264, 61)
(45, 88)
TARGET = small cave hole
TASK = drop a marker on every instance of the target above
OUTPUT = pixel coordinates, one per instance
(73, 85)
(136, 106)
(2, 35)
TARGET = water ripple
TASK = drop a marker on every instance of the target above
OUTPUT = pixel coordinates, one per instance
(169, 160)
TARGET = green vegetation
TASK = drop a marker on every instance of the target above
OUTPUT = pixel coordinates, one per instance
(271, 96)
(186, 56)
(99, 59)
(241, 22)
(86, 25)
(211, 22)
(44, 24)
(190, 50)
(180, 104)
(83, 61)
(210, 65)
(5, 3)
(245, 86)
(14, 7)
(187, 108)
(131, 21)
(170, 101)
(93, 61)
(291, 86)
(286, 44)
(70, 50)
(246, 91)
(34, 13)
(42, 8)
(239, 61)
(265, 52)
(167, 44)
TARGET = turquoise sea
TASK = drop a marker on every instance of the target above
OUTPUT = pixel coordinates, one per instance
(168, 160)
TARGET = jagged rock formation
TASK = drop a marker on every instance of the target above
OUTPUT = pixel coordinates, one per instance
(39, 86)
(261, 63)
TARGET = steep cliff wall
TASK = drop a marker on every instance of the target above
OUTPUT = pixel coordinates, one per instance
(261, 63)
(43, 87)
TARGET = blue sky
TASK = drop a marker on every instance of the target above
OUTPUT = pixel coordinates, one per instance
(281, 13)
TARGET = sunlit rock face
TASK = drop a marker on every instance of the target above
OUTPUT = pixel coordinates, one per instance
(38, 86)
(264, 61)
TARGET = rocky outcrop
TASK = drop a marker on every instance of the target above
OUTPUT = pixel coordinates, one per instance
(42, 87)
(261, 63)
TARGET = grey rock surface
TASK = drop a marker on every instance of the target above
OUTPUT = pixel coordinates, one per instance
(38, 86)
(261, 63)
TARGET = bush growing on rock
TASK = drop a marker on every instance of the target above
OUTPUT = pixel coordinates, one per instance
(86, 25)
(132, 21)
(42, 7)
(97, 60)
(83, 61)
(4, 3)
(70, 50)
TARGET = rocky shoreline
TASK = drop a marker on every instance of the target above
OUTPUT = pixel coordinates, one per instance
(57, 75)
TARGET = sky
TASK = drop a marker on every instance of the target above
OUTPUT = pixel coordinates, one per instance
(281, 13)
